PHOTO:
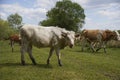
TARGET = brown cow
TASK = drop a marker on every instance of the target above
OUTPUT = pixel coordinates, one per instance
(98, 36)
(14, 39)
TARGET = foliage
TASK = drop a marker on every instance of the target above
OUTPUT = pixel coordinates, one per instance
(5, 30)
(113, 44)
(76, 65)
(65, 14)
(119, 31)
(14, 20)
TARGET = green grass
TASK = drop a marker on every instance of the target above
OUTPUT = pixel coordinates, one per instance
(77, 65)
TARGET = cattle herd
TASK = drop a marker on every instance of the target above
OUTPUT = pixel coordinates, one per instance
(58, 38)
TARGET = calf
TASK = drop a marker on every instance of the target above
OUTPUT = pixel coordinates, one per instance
(14, 39)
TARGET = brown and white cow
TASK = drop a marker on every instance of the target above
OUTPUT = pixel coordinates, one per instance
(15, 38)
(101, 37)
(54, 37)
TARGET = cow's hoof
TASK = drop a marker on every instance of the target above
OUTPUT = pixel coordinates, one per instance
(23, 62)
(48, 62)
(60, 64)
(35, 63)
(97, 50)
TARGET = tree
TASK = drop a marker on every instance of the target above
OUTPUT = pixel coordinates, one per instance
(5, 30)
(14, 20)
(65, 14)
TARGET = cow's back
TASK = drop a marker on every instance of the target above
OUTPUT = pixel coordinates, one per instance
(41, 36)
(90, 34)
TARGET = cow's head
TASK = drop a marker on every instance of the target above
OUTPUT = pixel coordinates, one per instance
(69, 38)
(116, 35)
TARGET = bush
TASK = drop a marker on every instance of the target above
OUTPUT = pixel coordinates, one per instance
(114, 44)
(5, 30)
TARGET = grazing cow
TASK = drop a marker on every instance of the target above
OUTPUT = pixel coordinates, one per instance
(101, 37)
(14, 39)
(54, 37)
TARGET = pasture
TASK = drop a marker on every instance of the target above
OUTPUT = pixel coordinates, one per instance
(77, 65)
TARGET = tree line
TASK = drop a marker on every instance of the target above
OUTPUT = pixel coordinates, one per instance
(66, 14)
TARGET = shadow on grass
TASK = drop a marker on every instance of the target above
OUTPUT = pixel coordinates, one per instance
(26, 65)
(44, 66)
(9, 64)
(89, 52)
(9, 51)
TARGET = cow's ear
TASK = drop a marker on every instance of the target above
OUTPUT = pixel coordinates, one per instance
(64, 34)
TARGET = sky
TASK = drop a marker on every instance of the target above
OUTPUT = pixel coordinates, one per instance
(100, 14)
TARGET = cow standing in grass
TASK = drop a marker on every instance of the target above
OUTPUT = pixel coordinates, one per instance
(14, 39)
(54, 37)
(101, 37)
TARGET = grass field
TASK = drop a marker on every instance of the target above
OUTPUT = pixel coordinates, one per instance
(77, 65)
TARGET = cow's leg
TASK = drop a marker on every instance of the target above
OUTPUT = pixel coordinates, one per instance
(22, 55)
(12, 45)
(29, 50)
(99, 47)
(50, 54)
(92, 47)
(104, 49)
(99, 38)
(24, 46)
(104, 46)
(83, 44)
(58, 56)
(19, 43)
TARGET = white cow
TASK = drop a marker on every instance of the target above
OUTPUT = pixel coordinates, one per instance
(54, 37)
